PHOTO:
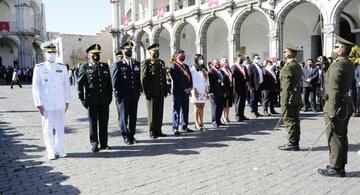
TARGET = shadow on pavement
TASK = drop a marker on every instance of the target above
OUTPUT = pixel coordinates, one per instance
(20, 173)
(187, 143)
(352, 148)
(17, 111)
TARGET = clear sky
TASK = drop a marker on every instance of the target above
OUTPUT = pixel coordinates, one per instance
(77, 16)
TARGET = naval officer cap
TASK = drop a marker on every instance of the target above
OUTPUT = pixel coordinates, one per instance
(154, 46)
(95, 48)
(48, 46)
(119, 53)
(291, 47)
(343, 42)
(127, 45)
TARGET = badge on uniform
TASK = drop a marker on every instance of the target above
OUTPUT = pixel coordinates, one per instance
(90, 71)
(105, 72)
(59, 71)
(136, 68)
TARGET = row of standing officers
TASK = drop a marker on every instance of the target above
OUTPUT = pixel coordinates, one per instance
(128, 78)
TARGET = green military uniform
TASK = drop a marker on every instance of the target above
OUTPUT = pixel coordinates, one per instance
(338, 80)
(153, 80)
(290, 97)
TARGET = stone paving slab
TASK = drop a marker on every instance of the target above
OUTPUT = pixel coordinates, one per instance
(241, 158)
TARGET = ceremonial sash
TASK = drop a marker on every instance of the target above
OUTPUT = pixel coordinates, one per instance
(215, 73)
(228, 75)
(271, 73)
(183, 70)
(241, 70)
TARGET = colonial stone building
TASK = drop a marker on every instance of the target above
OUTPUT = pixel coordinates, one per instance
(22, 30)
(219, 28)
(71, 47)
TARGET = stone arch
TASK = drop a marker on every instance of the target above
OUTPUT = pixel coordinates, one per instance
(290, 6)
(203, 30)
(140, 47)
(185, 38)
(11, 59)
(37, 53)
(350, 20)
(239, 21)
(178, 28)
(336, 11)
(156, 33)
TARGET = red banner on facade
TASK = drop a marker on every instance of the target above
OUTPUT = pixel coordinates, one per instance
(160, 11)
(213, 3)
(4, 26)
(126, 21)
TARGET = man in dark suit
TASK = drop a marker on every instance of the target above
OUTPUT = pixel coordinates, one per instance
(310, 77)
(240, 83)
(182, 85)
(153, 80)
(127, 88)
(95, 93)
(256, 78)
(217, 92)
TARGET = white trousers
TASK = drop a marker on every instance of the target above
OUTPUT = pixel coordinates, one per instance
(53, 119)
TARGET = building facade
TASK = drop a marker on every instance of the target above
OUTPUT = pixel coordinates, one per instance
(22, 30)
(71, 47)
(219, 28)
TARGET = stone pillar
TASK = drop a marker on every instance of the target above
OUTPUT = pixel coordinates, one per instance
(316, 46)
(231, 49)
(172, 47)
(329, 37)
(171, 7)
(198, 3)
(134, 11)
(116, 21)
(151, 9)
(274, 43)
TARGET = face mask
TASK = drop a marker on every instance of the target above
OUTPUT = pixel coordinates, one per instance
(51, 57)
(217, 66)
(181, 57)
(95, 57)
(201, 62)
(128, 53)
(333, 54)
(155, 54)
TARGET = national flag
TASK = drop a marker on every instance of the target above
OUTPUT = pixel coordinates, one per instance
(213, 3)
(4, 26)
(160, 12)
(126, 21)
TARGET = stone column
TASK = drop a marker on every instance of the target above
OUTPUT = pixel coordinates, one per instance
(231, 49)
(116, 20)
(171, 7)
(198, 3)
(329, 37)
(151, 9)
(274, 43)
(316, 46)
(172, 47)
(134, 11)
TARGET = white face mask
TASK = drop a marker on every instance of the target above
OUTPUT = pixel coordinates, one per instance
(51, 57)
(201, 62)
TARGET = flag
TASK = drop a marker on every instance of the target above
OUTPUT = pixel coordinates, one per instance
(160, 12)
(213, 3)
(126, 21)
(4, 26)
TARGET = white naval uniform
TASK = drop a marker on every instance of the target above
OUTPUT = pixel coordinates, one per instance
(51, 89)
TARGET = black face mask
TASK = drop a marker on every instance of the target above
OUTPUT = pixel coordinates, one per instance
(95, 57)
(128, 53)
(155, 55)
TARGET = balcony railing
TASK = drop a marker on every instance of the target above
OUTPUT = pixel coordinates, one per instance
(184, 4)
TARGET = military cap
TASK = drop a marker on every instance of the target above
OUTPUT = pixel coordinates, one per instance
(95, 48)
(291, 47)
(127, 45)
(49, 46)
(154, 46)
(342, 42)
(119, 53)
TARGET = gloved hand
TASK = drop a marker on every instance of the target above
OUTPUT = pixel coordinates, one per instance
(333, 119)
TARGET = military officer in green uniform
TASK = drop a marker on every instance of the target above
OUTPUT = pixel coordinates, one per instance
(95, 93)
(153, 80)
(290, 77)
(338, 108)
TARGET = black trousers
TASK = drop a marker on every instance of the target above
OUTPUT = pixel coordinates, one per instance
(181, 102)
(269, 98)
(98, 114)
(127, 115)
(217, 106)
(15, 82)
(254, 100)
(239, 102)
(155, 114)
(310, 92)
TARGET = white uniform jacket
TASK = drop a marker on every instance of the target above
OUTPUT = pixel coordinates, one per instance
(51, 86)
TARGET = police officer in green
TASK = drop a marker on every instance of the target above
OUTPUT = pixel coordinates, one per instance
(153, 80)
(95, 93)
(290, 77)
(338, 107)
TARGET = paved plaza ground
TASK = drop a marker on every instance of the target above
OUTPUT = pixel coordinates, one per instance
(241, 158)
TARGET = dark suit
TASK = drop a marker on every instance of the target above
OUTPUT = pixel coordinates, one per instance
(309, 88)
(269, 90)
(181, 99)
(95, 93)
(240, 80)
(254, 83)
(153, 80)
(218, 88)
(127, 89)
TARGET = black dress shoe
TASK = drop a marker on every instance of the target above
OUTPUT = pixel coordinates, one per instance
(105, 148)
(128, 141)
(273, 112)
(187, 130)
(244, 118)
(95, 149)
(153, 136)
(177, 133)
(289, 147)
(221, 124)
(331, 172)
(266, 113)
(161, 134)
(215, 125)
